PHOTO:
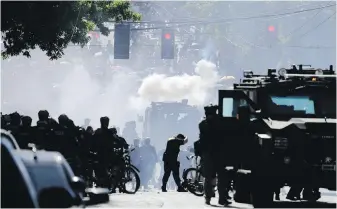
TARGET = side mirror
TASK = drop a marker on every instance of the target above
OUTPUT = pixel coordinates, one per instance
(78, 184)
(55, 197)
(97, 196)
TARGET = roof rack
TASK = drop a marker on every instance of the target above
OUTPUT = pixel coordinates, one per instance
(304, 73)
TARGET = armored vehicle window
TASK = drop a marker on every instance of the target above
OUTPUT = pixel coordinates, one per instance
(291, 105)
(227, 107)
(230, 106)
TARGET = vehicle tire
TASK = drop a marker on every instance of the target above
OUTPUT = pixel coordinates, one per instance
(262, 194)
(196, 185)
(130, 172)
(243, 188)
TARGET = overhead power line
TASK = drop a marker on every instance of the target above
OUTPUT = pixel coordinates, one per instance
(317, 26)
(301, 26)
(251, 44)
(264, 16)
(225, 20)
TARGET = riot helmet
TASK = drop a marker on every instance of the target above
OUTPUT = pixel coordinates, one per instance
(26, 121)
(43, 115)
(63, 119)
(104, 122)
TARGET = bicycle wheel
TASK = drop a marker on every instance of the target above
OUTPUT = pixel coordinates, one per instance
(194, 181)
(131, 181)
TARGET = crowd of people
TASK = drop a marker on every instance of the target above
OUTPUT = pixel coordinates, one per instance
(82, 145)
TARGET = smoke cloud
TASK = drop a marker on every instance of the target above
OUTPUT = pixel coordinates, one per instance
(163, 88)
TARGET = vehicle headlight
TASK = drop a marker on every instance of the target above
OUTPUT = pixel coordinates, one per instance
(281, 143)
(328, 160)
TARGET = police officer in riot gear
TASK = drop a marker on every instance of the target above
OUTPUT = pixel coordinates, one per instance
(212, 157)
(102, 137)
(25, 134)
(148, 162)
(42, 129)
(135, 153)
(171, 163)
(15, 123)
(120, 141)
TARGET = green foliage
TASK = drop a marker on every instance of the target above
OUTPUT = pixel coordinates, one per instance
(52, 25)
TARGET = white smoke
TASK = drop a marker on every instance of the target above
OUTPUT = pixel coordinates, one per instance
(72, 91)
(83, 97)
(162, 88)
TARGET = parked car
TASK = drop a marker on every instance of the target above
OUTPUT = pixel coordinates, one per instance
(41, 179)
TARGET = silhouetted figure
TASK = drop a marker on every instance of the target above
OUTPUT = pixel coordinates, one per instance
(171, 163)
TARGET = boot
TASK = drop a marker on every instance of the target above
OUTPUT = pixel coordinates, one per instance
(207, 200)
(224, 202)
(181, 189)
(163, 189)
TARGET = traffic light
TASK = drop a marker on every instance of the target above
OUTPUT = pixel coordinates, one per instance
(122, 41)
(167, 44)
(271, 28)
(271, 35)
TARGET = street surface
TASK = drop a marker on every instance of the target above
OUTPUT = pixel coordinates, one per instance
(157, 199)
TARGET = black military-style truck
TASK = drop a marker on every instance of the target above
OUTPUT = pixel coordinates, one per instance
(293, 113)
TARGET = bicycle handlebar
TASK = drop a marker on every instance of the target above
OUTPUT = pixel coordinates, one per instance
(190, 157)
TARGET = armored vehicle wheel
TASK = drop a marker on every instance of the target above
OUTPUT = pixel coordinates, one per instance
(262, 193)
(243, 188)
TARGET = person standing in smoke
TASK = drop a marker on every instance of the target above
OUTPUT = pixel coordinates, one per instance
(86, 123)
(129, 131)
(135, 153)
(171, 163)
(148, 162)
(183, 159)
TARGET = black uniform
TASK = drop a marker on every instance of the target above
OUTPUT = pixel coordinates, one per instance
(214, 151)
(25, 133)
(171, 163)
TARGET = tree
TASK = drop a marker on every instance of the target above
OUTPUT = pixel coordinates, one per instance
(52, 25)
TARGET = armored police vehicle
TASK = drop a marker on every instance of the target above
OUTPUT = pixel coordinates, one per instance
(163, 119)
(293, 116)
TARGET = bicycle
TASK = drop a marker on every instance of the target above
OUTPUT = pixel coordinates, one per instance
(122, 174)
(195, 184)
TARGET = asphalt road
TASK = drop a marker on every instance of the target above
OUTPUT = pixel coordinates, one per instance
(156, 199)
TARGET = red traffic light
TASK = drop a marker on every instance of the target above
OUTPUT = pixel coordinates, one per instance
(167, 36)
(271, 28)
